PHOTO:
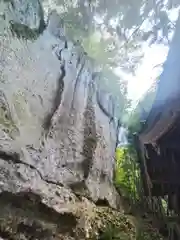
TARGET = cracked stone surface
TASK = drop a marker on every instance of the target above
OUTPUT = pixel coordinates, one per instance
(57, 138)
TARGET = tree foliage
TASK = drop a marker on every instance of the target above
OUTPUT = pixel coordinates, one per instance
(127, 15)
(127, 173)
(113, 32)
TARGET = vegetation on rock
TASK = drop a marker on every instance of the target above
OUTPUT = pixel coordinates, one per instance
(127, 174)
(114, 38)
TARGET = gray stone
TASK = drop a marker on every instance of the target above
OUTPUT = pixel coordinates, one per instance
(56, 142)
(25, 19)
(28, 13)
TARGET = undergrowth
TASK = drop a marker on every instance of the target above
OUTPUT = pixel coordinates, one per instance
(127, 181)
(127, 173)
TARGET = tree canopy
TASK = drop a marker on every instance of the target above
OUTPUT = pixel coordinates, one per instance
(113, 33)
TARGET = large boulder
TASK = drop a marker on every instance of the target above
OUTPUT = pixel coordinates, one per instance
(56, 142)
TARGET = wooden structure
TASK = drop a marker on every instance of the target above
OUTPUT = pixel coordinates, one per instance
(159, 140)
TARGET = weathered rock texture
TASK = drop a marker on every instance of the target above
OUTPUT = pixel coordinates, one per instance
(57, 135)
(23, 15)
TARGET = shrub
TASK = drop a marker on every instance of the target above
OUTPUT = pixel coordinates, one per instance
(127, 174)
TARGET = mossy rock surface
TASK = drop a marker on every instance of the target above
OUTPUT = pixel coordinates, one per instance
(119, 226)
(24, 217)
(115, 225)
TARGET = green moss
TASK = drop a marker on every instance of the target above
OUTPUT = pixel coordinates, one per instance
(114, 225)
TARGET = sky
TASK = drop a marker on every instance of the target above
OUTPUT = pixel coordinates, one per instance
(146, 73)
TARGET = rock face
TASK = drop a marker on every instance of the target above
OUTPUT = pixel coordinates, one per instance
(57, 134)
(26, 18)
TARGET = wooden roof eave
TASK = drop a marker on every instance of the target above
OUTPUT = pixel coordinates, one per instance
(159, 129)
